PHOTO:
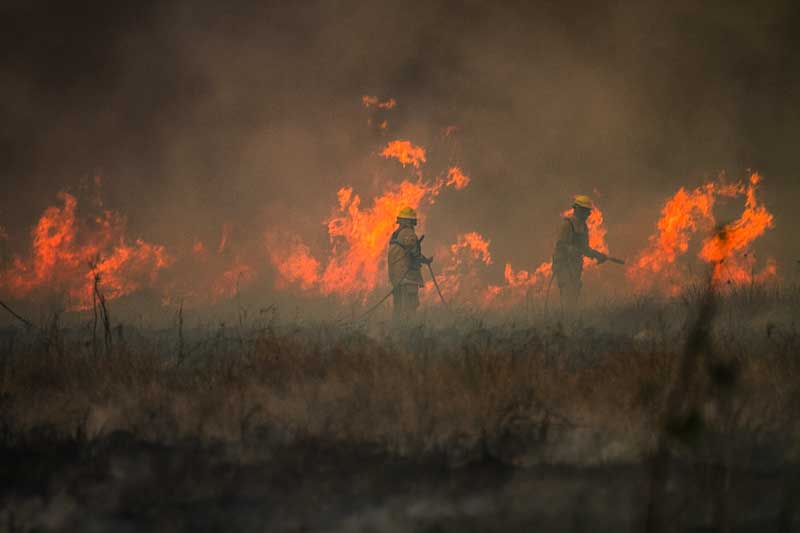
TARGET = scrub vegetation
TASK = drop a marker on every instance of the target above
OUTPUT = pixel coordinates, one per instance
(637, 415)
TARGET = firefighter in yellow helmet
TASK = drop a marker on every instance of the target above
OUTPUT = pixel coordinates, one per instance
(572, 245)
(405, 261)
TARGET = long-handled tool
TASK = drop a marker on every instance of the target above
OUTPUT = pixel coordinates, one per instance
(436, 284)
(374, 307)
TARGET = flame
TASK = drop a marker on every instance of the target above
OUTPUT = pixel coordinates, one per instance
(690, 212)
(727, 248)
(227, 227)
(374, 101)
(203, 276)
(460, 277)
(67, 256)
(358, 237)
(405, 152)
(230, 282)
(597, 233)
(456, 179)
(295, 264)
(519, 283)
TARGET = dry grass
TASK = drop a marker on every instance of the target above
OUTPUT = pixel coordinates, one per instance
(248, 426)
(522, 391)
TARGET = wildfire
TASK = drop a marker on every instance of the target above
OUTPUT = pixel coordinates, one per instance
(358, 236)
(230, 282)
(690, 212)
(456, 179)
(727, 248)
(203, 276)
(295, 264)
(459, 278)
(374, 101)
(519, 283)
(405, 152)
(597, 233)
(67, 255)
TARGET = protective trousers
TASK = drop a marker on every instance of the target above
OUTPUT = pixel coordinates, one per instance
(405, 300)
(569, 286)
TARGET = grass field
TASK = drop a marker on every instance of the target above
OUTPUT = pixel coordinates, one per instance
(639, 415)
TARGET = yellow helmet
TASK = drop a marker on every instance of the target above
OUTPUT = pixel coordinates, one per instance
(583, 201)
(407, 213)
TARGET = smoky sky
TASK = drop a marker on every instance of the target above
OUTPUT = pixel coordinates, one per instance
(200, 113)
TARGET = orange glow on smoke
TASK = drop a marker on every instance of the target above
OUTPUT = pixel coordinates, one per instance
(295, 264)
(456, 179)
(66, 256)
(449, 131)
(374, 101)
(405, 152)
(690, 212)
(230, 282)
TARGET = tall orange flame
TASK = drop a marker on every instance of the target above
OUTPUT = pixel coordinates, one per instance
(67, 256)
(358, 236)
(727, 248)
(690, 212)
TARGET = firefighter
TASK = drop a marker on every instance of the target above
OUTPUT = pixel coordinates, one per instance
(405, 261)
(572, 245)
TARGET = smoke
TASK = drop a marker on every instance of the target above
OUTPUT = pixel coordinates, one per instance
(199, 115)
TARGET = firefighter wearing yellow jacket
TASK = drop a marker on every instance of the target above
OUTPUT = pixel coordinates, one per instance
(572, 245)
(404, 261)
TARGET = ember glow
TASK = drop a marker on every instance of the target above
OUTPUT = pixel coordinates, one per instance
(691, 212)
(67, 255)
(405, 152)
(374, 101)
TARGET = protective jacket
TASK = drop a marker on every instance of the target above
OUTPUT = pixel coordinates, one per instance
(405, 257)
(572, 244)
